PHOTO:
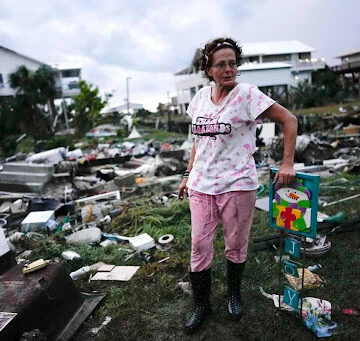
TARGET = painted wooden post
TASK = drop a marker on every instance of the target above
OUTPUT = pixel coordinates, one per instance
(293, 211)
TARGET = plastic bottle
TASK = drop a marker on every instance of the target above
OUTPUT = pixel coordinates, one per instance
(80, 272)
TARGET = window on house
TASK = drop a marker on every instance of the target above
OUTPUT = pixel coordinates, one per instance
(305, 55)
(253, 59)
(200, 86)
(192, 91)
(70, 73)
(276, 58)
(1, 81)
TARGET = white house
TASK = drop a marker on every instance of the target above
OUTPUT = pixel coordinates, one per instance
(349, 57)
(66, 77)
(272, 66)
(9, 62)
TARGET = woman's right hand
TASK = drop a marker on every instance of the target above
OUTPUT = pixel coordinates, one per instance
(182, 191)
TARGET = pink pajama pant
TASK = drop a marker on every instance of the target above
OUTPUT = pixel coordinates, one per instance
(235, 209)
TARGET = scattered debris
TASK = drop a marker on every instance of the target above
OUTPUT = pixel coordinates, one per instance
(316, 315)
(38, 220)
(263, 204)
(186, 288)
(142, 242)
(5, 318)
(86, 236)
(80, 272)
(163, 260)
(351, 311)
(81, 197)
(34, 266)
(106, 196)
(315, 267)
(166, 239)
(95, 331)
(70, 255)
(311, 280)
(341, 200)
(316, 247)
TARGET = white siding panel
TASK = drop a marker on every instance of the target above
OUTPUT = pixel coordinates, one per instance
(9, 62)
(267, 77)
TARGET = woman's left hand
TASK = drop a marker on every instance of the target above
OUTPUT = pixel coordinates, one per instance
(285, 175)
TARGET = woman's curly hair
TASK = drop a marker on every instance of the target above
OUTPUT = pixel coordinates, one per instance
(209, 49)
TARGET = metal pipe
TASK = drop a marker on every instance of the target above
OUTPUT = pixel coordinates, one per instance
(127, 95)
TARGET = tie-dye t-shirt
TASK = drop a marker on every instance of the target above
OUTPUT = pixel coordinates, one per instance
(225, 139)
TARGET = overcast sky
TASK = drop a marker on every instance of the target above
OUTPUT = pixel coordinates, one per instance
(150, 40)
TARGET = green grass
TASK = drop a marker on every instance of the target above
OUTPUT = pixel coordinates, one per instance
(26, 145)
(327, 109)
(163, 135)
(152, 307)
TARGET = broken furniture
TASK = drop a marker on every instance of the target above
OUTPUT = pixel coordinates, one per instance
(36, 298)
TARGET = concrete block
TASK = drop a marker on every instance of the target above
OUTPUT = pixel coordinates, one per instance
(21, 177)
(29, 187)
(28, 168)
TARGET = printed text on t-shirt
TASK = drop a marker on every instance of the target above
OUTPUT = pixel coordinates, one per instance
(210, 127)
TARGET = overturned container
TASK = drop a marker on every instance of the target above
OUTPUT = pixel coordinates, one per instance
(46, 299)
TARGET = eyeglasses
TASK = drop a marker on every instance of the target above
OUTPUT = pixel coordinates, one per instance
(222, 65)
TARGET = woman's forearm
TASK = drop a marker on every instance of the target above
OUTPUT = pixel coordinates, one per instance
(290, 132)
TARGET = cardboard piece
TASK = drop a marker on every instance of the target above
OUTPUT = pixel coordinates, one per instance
(106, 268)
(119, 273)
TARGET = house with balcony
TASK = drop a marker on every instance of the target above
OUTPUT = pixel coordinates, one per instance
(66, 77)
(273, 66)
(349, 69)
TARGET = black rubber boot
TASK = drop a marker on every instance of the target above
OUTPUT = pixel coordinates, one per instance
(201, 286)
(234, 277)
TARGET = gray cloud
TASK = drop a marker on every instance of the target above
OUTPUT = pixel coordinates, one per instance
(151, 40)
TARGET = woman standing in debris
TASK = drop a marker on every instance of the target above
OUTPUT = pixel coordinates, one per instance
(221, 176)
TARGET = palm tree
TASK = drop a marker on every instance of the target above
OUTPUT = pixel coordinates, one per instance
(34, 90)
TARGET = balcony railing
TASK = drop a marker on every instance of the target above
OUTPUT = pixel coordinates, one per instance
(310, 64)
(348, 67)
